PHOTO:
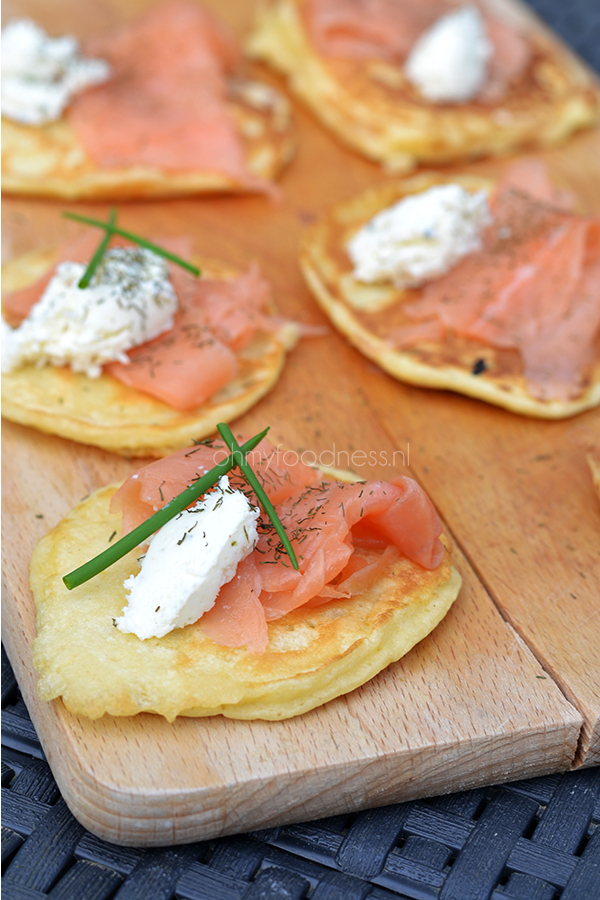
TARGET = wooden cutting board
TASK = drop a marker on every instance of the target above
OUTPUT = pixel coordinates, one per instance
(506, 687)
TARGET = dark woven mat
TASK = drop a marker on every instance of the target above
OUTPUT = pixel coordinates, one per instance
(577, 22)
(530, 840)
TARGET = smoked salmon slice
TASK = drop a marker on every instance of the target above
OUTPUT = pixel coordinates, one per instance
(183, 367)
(361, 573)
(534, 288)
(369, 29)
(388, 29)
(531, 177)
(325, 522)
(238, 617)
(236, 310)
(536, 313)
(320, 525)
(510, 58)
(281, 473)
(165, 104)
(216, 318)
(16, 305)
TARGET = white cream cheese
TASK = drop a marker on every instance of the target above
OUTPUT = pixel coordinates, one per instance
(448, 64)
(420, 237)
(188, 561)
(41, 74)
(129, 301)
(9, 346)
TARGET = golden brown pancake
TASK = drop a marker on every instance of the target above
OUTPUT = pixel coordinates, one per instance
(371, 107)
(49, 161)
(367, 313)
(313, 655)
(106, 413)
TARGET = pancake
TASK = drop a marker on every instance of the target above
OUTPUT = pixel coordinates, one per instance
(368, 313)
(313, 655)
(106, 413)
(49, 160)
(370, 106)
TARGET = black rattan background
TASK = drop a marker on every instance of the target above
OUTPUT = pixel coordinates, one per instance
(530, 840)
(578, 23)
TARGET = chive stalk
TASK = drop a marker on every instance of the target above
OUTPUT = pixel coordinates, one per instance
(240, 458)
(136, 537)
(140, 241)
(96, 258)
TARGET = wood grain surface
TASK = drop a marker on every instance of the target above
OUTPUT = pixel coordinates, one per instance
(506, 687)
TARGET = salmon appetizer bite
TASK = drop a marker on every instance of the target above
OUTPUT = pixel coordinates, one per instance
(265, 592)
(156, 107)
(489, 288)
(130, 348)
(410, 81)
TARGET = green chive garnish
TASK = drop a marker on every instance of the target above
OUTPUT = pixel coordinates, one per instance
(95, 260)
(140, 241)
(240, 459)
(158, 519)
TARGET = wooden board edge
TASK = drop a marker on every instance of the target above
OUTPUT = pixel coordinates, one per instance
(211, 812)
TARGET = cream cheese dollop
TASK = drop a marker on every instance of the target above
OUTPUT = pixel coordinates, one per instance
(421, 237)
(188, 562)
(41, 74)
(448, 63)
(130, 300)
